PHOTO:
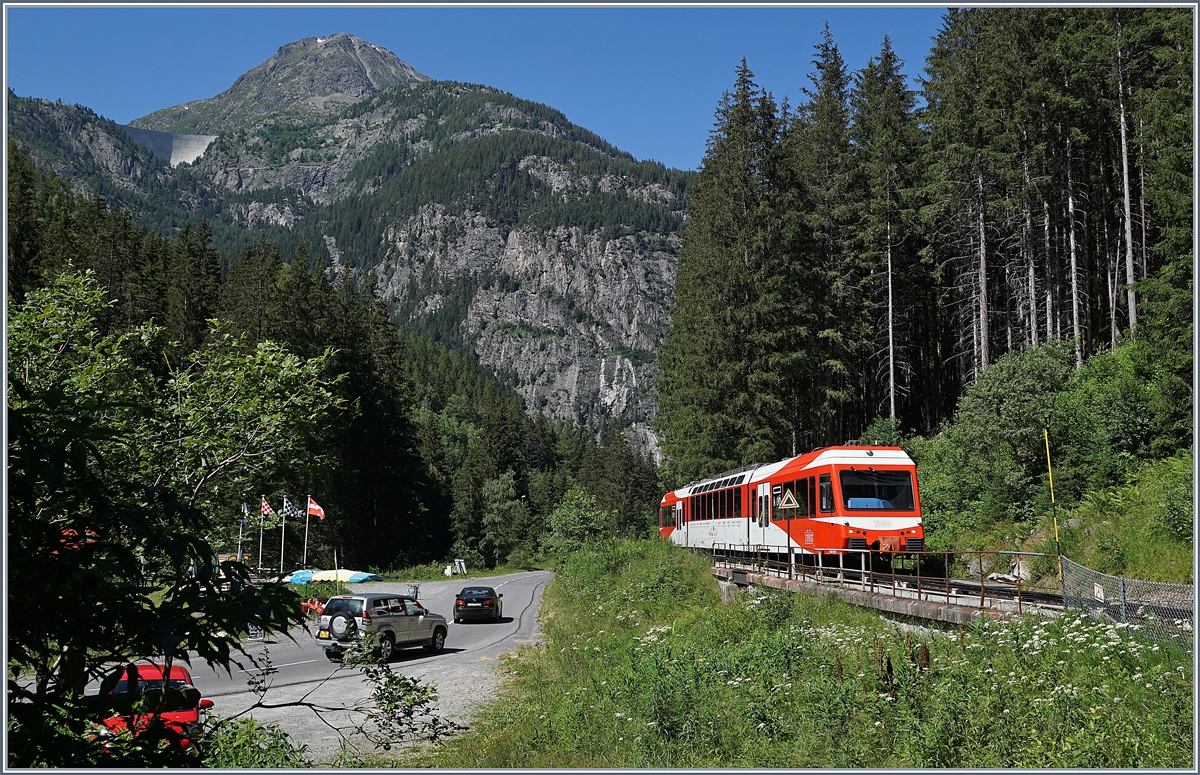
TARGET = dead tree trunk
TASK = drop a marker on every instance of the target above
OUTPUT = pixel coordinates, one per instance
(983, 303)
(1076, 329)
(1128, 199)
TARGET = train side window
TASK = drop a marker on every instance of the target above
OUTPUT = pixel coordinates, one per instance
(737, 501)
(826, 493)
(810, 495)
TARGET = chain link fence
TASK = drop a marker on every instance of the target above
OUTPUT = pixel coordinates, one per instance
(1158, 609)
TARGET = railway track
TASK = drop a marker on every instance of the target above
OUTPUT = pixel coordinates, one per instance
(905, 583)
(1171, 617)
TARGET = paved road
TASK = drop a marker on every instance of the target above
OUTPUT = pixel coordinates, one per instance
(462, 673)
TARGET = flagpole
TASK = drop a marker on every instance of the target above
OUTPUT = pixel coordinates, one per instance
(262, 519)
(282, 535)
(241, 524)
(304, 560)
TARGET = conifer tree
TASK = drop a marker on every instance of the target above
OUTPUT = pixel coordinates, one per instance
(248, 292)
(887, 142)
(821, 155)
(193, 275)
(722, 393)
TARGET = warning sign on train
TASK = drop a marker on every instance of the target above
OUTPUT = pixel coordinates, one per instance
(789, 501)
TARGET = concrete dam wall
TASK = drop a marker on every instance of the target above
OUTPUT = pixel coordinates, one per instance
(175, 149)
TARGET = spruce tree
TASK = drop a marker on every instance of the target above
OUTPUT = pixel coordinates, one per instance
(192, 275)
(721, 395)
(887, 143)
(821, 155)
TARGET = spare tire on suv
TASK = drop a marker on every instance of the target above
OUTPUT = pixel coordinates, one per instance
(342, 626)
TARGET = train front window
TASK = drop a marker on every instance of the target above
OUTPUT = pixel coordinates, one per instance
(889, 490)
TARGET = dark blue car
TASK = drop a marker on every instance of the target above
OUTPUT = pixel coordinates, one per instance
(478, 603)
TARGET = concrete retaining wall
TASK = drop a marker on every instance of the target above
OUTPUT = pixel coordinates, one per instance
(901, 606)
(175, 149)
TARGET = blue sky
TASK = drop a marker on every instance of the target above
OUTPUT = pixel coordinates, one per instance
(645, 79)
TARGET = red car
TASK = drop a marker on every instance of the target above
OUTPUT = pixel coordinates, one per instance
(183, 709)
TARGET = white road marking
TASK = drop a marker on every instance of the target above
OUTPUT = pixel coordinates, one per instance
(286, 664)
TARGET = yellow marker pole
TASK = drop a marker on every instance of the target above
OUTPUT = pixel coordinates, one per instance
(1053, 507)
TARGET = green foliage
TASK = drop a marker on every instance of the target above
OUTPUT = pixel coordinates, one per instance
(1142, 529)
(731, 363)
(246, 744)
(577, 522)
(984, 482)
(643, 667)
(916, 247)
(1178, 513)
(228, 418)
(280, 141)
(321, 589)
(401, 709)
(91, 546)
(506, 519)
(623, 483)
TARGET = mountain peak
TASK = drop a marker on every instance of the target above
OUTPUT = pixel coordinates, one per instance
(308, 78)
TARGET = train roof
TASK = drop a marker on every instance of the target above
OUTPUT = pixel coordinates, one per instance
(841, 455)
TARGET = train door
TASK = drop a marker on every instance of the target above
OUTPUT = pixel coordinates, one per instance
(764, 513)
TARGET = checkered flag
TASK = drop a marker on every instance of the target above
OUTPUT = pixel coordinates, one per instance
(290, 510)
(266, 507)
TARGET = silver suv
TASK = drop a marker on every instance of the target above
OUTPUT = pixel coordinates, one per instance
(397, 620)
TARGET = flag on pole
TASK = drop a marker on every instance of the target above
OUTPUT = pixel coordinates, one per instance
(245, 514)
(289, 509)
(266, 507)
(313, 508)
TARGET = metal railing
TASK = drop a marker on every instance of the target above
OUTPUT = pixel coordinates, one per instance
(928, 576)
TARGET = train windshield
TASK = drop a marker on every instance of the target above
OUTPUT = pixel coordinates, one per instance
(890, 490)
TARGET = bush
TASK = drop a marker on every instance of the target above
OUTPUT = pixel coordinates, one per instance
(246, 744)
(576, 522)
(1178, 508)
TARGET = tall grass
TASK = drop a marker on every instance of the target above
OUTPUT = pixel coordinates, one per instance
(644, 667)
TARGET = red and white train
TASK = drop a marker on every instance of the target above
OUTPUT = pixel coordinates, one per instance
(823, 502)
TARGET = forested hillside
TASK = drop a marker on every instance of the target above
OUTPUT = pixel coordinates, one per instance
(879, 248)
(234, 376)
(489, 223)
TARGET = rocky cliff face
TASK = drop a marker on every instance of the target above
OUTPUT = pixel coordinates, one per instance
(575, 318)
